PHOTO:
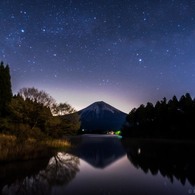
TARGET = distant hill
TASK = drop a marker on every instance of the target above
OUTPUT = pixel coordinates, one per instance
(100, 117)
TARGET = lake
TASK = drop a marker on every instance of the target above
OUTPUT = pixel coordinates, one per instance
(106, 164)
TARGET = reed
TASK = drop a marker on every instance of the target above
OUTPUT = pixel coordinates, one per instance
(57, 143)
(12, 148)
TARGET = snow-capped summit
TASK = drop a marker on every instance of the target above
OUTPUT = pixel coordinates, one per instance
(101, 116)
(99, 107)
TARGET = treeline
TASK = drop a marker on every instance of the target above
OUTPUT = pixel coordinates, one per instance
(33, 113)
(173, 119)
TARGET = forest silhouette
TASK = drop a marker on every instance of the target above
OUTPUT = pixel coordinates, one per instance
(174, 119)
(33, 113)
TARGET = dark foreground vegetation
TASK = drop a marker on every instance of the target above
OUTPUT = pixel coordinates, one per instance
(12, 148)
(173, 119)
(31, 120)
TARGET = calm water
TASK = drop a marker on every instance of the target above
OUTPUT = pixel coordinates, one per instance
(105, 165)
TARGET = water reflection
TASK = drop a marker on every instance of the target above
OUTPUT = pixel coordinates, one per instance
(102, 165)
(61, 169)
(99, 151)
(170, 159)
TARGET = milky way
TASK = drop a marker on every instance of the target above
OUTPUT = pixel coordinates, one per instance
(122, 52)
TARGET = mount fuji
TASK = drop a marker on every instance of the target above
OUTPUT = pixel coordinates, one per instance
(100, 117)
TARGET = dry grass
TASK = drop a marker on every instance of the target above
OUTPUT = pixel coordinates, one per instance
(57, 143)
(13, 149)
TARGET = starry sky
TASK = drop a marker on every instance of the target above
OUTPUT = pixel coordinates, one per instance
(125, 53)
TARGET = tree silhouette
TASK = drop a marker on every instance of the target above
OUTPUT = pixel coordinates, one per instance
(167, 119)
(5, 89)
(62, 109)
(173, 160)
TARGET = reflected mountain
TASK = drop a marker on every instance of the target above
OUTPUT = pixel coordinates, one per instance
(60, 170)
(170, 159)
(99, 150)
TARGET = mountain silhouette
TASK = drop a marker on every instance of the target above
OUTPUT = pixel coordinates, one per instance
(101, 117)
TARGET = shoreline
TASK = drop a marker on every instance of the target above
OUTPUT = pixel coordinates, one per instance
(159, 140)
(13, 149)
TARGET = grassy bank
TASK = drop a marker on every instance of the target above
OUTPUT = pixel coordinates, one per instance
(12, 148)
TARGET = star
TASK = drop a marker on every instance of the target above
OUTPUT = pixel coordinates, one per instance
(122, 47)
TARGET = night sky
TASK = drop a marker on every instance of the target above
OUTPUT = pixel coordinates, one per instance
(122, 52)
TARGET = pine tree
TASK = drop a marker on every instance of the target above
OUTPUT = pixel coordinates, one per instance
(5, 88)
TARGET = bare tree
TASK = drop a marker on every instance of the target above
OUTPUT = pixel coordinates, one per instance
(62, 109)
(37, 96)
